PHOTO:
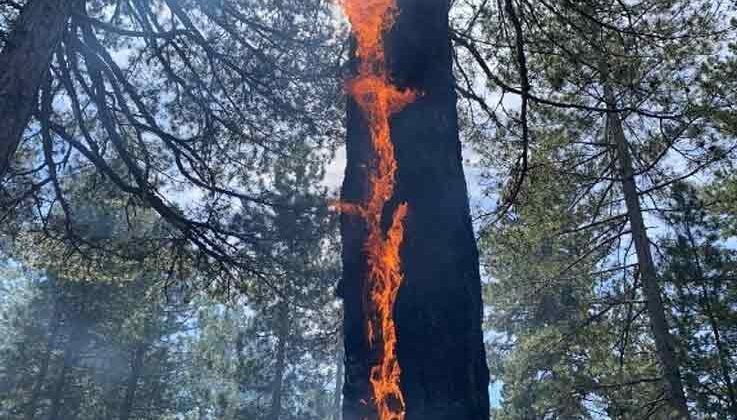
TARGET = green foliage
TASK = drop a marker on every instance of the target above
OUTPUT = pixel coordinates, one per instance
(571, 344)
(571, 335)
(111, 319)
(702, 275)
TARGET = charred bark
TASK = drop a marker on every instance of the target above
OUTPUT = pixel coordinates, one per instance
(24, 62)
(664, 342)
(438, 311)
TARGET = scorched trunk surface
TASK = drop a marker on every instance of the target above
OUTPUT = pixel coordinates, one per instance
(438, 311)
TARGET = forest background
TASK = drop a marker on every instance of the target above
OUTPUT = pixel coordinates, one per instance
(168, 252)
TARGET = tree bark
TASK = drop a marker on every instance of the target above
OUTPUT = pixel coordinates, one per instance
(438, 311)
(54, 324)
(281, 358)
(338, 395)
(24, 61)
(723, 352)
(139, 354)
(69, 360)
(648, 275)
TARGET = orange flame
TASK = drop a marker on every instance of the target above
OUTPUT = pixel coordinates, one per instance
(378, 99)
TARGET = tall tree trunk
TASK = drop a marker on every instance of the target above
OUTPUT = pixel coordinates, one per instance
(281, 360)
(648, 275)
(54, 324)
(438, 311)
(338, 394)
(71, 354)
(723, 352)
(24, 61)
(139, 354)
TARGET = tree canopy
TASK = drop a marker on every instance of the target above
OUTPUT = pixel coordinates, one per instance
(169, 242)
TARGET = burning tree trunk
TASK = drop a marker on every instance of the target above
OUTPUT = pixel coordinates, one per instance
(406, 192)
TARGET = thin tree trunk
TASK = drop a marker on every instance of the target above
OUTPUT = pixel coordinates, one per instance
(338, 394)
(722, 351)
(723, 355)
(24, 61)
(724, 358)
(54, 322)
(132, 384)
(281, 358)
(664, 343)
(438, 310)
(68, 361)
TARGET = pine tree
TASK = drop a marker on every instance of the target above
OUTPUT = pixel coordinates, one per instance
(701, 273)
(622, 87)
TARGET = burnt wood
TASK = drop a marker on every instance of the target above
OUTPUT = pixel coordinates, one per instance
(439, 308)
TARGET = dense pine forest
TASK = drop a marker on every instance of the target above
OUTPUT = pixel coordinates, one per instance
(368, 209)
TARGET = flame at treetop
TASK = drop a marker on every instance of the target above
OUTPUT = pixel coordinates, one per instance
(378, 99)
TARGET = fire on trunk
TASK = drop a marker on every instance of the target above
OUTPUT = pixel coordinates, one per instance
(378, 99)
